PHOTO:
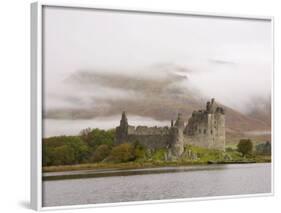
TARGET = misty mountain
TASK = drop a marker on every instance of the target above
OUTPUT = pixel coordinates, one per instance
(159, 94)
(260, 109)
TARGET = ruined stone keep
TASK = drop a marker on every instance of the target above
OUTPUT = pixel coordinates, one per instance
(205, 128)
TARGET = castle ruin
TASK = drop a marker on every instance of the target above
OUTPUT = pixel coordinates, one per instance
(205, 128)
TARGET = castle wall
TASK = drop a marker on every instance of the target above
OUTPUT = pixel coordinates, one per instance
(151, 137)
(150, 141)
(144, 130)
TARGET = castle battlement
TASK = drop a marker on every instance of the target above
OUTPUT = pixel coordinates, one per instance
(144, 130)
(206, 128)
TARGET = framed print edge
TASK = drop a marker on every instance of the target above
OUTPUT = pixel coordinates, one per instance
(152, 11)
(36, 104)
(272, 22)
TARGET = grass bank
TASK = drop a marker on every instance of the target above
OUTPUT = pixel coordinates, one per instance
(139, 165)
(127, 165)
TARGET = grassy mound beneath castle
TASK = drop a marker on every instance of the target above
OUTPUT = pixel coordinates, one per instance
(204, 155)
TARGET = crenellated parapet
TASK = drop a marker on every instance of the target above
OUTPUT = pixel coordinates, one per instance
(144, 130)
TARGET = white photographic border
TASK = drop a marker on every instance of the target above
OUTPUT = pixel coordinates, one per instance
(36, 102)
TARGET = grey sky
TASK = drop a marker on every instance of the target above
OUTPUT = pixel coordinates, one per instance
(229, 59)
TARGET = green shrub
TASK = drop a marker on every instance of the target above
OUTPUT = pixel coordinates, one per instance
(100, 153)
(64, 150)
(122, 153)
(159, 155)
(245, 146)
(98, 137)
(139, 151)
(229, 149)
(64, 155)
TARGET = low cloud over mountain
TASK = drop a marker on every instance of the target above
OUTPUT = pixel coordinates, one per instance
(158, 92)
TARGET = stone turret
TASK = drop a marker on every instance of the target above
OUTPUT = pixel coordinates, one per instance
(211, 106)
(179, 122)
(122, 130)
(124, 120)
(177, 137)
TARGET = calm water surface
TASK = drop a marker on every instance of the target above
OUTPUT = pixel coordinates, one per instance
(217, 180)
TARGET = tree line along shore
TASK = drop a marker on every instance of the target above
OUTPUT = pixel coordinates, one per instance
(95, 149)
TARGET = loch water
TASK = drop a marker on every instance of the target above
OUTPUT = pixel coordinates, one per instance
(182, 182)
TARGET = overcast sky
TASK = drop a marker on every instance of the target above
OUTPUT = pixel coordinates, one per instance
(229, 59)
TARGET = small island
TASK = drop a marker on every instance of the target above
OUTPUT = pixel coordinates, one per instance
(201, 141)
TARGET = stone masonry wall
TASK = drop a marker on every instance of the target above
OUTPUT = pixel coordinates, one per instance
(144, 130)
(151, 137)
(150, 141)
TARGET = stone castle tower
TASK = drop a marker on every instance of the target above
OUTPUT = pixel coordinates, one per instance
(205, 128)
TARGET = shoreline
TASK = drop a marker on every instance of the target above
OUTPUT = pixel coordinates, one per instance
(135, 165)
(126, 169)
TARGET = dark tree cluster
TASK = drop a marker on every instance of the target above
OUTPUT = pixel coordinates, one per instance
(245, 146)
(91, 146)
(264, 148)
